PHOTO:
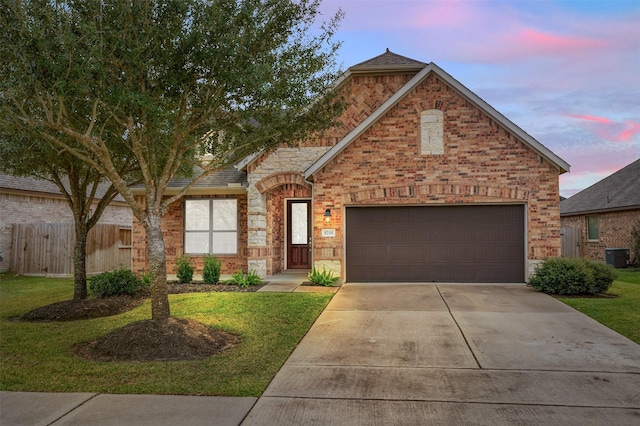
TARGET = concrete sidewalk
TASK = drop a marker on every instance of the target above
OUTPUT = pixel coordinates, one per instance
(454, 354)
(406, 355)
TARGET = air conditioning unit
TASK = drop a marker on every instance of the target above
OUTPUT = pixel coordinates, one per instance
(617, 257)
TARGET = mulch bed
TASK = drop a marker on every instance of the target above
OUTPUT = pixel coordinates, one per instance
(174, 339)
(178, 288)
(168, 340)
(74, 310)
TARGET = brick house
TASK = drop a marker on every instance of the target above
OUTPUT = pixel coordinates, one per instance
(422, 181)
(603, 215)
(26, 200)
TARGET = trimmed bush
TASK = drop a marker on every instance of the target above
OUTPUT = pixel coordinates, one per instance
(184, 270)
(572, 276)
(115, 283)
(603, 276)
(211, 271)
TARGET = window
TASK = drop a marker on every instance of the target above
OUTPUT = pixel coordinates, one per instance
(211, 226)
(592, 228)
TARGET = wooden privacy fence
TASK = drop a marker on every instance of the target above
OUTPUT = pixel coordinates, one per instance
(47, 248)
(570, 242)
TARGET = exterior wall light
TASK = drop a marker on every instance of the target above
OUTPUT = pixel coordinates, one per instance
(327, 215)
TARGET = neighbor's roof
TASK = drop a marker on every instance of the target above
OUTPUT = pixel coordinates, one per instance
(391, 62)
(18, 184)
(619, 191)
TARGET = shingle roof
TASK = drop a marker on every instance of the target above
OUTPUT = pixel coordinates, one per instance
(28, 184)
(218, 179)
(619, 191)
(388, 61)
(44, 186)
(221, 179)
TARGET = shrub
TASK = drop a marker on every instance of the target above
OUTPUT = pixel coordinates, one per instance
(211, 271)
(245, 280)
(184, 270)
(635, 235)
(115, 283)
(572, 276)
(325, 278)
(603, 276)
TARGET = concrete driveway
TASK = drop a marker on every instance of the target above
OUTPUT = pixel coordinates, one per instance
(446, 354)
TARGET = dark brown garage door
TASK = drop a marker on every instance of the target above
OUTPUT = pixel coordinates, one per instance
(442, 244)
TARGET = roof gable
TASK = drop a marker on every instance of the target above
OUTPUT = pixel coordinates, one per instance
(387, 62)
(619, 191)
(428, 69)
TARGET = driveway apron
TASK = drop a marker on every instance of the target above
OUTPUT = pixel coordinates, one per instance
(408, 354)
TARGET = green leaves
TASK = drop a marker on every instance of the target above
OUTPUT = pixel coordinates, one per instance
(325, 278)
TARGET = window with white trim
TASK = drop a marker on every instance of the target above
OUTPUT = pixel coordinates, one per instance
(211, 226)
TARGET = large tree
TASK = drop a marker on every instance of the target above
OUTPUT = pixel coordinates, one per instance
(179, 78)
(85, 191)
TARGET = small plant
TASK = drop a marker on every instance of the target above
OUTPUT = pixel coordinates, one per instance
(184, 269)
(211, 271)
(146, 279)
(115, 283)
(325, 278)
(245, 280)
(572, 276)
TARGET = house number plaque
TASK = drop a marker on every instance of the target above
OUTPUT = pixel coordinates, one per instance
(328, 232)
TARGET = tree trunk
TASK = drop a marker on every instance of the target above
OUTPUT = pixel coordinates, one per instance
(158, 269)
(80, 261)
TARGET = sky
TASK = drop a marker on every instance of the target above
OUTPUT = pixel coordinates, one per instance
(565, 71)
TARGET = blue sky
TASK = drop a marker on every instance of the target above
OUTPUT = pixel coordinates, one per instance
(567, 72)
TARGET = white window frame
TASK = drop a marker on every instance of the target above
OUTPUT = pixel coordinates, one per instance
(210, 230)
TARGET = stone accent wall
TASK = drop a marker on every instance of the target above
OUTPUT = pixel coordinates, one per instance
(16, 208)
(614, 229)
(265, 175)
(482, 163)
(276, 223)
(173, 232)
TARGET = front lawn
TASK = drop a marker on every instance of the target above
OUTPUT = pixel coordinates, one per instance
(37, 357)
(621, 313)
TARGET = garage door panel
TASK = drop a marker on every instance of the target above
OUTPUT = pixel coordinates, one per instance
(442, 244)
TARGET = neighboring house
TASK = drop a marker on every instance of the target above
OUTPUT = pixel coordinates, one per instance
(603, 215)
(34, 201)
(423, 181)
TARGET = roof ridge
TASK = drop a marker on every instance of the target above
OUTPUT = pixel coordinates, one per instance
(388, 61)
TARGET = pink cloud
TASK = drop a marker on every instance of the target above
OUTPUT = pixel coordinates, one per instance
(608, 129)
(534, 41)
(631, 130)
(591, 118)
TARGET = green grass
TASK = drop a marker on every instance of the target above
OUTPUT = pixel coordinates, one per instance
(37, 357)
(622, 313)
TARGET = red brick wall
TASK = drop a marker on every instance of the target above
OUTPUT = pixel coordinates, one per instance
(482, 163)
(614, 231)
(173, 232)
